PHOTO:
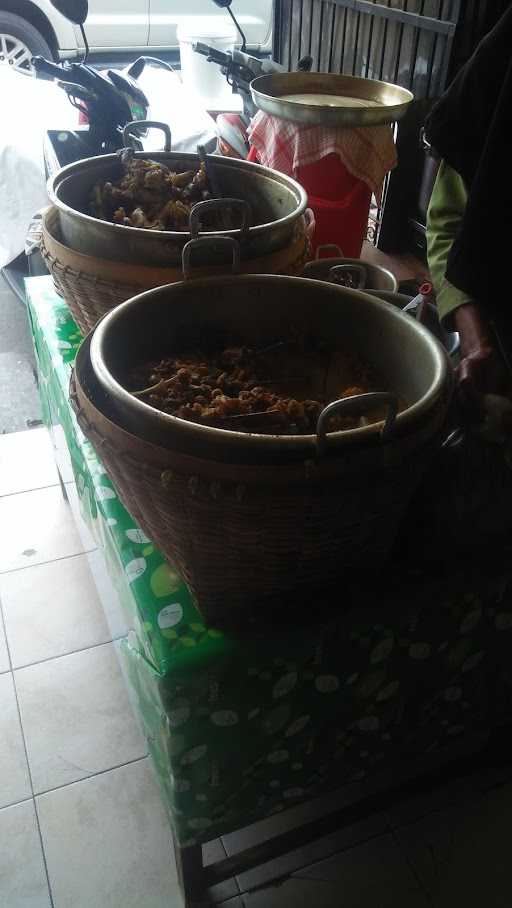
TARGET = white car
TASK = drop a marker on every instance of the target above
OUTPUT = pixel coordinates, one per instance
(29, 27)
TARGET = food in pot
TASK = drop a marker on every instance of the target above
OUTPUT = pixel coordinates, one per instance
(347, 278)
(150, 195)
(281, 388)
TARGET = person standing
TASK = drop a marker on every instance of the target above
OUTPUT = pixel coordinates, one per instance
(470, 214)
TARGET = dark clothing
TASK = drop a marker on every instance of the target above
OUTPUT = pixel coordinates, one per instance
(471, 127)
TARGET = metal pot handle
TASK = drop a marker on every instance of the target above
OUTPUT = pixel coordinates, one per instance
(211, 243)
(329, 246)
(360, 403)
(309, 223)
(424, 143)
(148, 124)
(454, 440)
(360, 270)
(222, 206)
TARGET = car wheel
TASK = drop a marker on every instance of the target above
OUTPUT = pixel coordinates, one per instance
(19, 42)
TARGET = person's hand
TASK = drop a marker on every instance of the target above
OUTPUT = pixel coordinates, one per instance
(481, 370)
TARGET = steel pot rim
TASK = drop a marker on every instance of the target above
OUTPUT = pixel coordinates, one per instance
(76, 167)
(327, 264)
(282, 443)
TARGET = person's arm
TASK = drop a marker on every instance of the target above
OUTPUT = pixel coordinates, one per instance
(444, 215)
(480, 369)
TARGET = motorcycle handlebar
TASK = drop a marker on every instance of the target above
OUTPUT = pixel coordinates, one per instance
(90, 81)
(214, 56)
(45, 69)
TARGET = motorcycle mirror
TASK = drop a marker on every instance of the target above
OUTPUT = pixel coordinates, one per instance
(74, 10)
(226, 4)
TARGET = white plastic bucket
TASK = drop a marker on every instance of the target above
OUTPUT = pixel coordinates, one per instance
(202, 78)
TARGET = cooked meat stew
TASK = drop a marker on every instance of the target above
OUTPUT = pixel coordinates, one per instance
(278, 389)
(150, 195)
(347, 278)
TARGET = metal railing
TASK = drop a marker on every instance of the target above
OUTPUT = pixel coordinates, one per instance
(419, 44)
(407, 42)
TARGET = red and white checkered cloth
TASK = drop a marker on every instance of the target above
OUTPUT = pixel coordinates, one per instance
(368, 153)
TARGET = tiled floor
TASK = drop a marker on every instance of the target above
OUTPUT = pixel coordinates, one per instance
(19, 401)
(81, 820)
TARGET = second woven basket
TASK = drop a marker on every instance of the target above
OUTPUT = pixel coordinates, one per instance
(92, 287)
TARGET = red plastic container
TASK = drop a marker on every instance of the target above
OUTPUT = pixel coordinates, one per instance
(340, 202)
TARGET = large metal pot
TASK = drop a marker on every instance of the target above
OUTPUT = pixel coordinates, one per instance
(381, 283)
(275, 203)
(254, 309)
(449, 339)
(363, 275)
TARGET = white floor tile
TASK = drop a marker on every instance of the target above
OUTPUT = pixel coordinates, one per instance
(462, 855)
(319, 807)
(19, 400)
(371, 873)
(26, 461)
(108, 844)
(213, 852)
(305, 893)
(14, 779)
(51, 609)
(23, 881)
(456, 792)
(36, 526)
(4, 656)
(299, 894)
(343, 838)
(76, 717)
(429, 845)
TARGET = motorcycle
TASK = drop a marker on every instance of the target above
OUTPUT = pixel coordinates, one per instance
(240, 68)
(110, 104)
(107, 101)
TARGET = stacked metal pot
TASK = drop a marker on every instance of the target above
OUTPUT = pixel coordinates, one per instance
(259, 524)
(97, 264)
(256, 523)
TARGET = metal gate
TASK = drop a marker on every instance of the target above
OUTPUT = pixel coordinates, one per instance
(407, 42)
(419, 44)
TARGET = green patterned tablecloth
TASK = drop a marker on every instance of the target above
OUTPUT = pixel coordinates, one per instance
(241, 728)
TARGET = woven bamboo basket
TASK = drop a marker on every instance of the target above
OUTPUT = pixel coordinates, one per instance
(92, 287)
(257, 541)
